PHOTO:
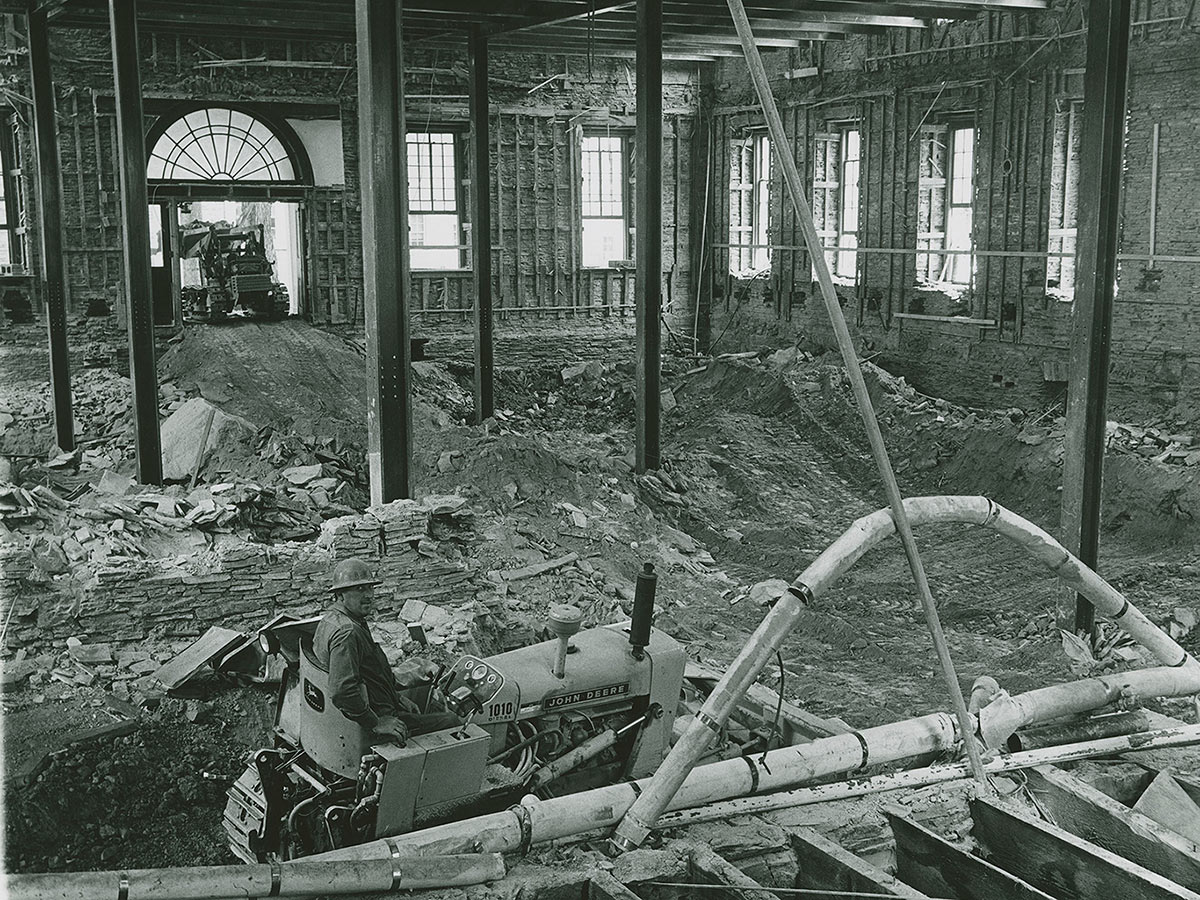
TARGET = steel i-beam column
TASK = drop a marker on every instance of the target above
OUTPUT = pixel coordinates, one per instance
(49, 188)
(481, 225)
(1105, 81)
(383, 177)
(648, 231)
(135, 221)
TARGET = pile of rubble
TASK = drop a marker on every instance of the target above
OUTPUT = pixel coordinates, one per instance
(1157, 443)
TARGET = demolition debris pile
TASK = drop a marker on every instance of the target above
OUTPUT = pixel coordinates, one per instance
(104, 581)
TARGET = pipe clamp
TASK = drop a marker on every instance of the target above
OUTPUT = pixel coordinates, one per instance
(123, 887)
(276, 878)
(397, 872)
(526, 823)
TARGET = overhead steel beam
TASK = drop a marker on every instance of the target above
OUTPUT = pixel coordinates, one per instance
(135, 222)
(383, 176)
(49, 191)
(648, 232)
(1099, 215)
(481, 224)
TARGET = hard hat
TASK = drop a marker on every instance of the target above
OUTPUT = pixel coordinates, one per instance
(351, 573)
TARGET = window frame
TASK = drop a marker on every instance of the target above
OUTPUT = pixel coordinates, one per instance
(955, 262)
(14, 201)
(625, 138)
(457, 133)
(754, 194)
(1064, 184)
(847, 239)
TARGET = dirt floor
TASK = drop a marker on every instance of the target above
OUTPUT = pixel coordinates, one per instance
(764, 464)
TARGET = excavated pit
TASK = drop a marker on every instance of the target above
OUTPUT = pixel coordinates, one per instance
(764, 464)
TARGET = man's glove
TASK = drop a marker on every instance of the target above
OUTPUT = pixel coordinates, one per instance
(391, 729)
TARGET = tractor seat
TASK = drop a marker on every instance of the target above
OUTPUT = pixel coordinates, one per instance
(333, 741)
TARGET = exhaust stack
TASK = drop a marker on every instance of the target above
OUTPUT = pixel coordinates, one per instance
(564, 621)
(643, 610)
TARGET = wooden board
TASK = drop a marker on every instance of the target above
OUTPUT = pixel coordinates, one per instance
(940, 869)
(712, 868)
(1166, 802)
(1061, 864)
(212, 643)
(826, 865)
(602, 886)
(1094, 816)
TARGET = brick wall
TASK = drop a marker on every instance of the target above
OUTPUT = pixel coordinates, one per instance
(1008, 76)
(536, 263)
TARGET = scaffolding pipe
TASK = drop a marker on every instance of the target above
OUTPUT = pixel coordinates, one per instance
(305, 878)
(535, 821)
(725, 697)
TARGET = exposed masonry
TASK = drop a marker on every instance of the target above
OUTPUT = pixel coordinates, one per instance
(988, 73)
(238, 584)
(1015, 77)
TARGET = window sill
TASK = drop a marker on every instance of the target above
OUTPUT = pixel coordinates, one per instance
(961, 320)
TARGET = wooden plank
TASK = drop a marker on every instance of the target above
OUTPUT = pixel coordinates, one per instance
(1060, 863)
(940, 869)
(710, 867)
(211, 644)
(1094, 816)
(602, 886)
(1167, 803)
(826, 865)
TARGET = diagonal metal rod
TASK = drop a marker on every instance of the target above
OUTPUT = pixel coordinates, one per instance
(635, 825)
(779, 141)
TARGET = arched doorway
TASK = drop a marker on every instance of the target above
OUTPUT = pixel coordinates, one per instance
(226, 184)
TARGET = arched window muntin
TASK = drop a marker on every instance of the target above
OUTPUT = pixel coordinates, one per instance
(227, 144)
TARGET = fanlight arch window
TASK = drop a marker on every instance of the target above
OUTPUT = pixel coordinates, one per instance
(219, 143)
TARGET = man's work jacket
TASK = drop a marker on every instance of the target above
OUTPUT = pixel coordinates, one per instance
(360, 677)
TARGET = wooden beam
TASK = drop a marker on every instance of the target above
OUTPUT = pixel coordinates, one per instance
(1099, 218)
(826, 865)
(135, 221)
(940, 869)
(1060, 863)
(1094, 816)
(481, 224)
(602, 886)
(648, 233)
(386, 283)
(49, 193)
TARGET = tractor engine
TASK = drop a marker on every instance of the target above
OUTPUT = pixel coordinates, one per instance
(583, 709)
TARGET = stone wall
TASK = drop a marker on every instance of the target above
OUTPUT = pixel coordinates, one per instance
(239, 584)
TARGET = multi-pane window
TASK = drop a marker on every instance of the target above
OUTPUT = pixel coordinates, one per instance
(749, 203)
(1064, 199)
(826, 196)
(944, 210)
(218, 143)
(837, 160)
(12, 256)
(847, 239)
(605, 232)
(434, 227)
(959, 208)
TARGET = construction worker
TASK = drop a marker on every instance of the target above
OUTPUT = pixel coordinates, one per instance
(361, 680)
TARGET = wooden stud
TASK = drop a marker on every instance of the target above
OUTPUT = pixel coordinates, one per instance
(1061, 864)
